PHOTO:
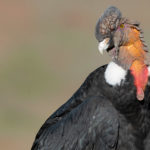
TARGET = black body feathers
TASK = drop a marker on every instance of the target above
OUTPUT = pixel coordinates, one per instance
(99, 117)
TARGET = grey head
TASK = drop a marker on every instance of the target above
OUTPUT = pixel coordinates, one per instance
(106, 27)
(107, 23)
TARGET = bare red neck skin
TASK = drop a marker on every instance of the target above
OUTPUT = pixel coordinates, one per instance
(140, 73)
(132, 56)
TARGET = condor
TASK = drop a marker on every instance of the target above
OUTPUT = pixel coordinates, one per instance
(111, 109)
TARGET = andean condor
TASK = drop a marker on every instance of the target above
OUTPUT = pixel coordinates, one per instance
(111, 109)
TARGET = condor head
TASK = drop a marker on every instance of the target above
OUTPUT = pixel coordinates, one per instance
(123, 40)
(114, 31)
(106, 28)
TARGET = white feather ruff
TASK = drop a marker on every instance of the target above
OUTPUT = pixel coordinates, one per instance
(114, 74)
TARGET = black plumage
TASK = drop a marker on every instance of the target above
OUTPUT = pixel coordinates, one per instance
(100, 116)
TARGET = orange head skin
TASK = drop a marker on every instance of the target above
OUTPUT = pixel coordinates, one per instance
(132, 55)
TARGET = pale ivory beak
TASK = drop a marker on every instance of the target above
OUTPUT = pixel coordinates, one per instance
(148, 70)
(103, 45)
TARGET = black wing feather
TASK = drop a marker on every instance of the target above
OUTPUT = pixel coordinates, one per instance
(78, 97)
(91, 125)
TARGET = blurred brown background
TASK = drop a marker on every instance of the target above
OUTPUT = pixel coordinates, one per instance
(47, 49)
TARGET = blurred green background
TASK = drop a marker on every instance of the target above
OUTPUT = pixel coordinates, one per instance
(47, 49)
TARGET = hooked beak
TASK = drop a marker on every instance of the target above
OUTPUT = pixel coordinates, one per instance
(103, 45)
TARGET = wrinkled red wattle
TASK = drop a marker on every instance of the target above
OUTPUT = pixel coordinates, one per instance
(140, 79)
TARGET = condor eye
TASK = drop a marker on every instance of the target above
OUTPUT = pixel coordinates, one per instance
(122, 26)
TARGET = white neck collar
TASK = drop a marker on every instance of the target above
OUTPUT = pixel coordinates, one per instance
(114, 74)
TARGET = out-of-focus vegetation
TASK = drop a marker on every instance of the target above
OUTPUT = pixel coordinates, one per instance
(47, 49)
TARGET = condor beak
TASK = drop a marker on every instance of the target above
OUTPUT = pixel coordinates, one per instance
(103, 45)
